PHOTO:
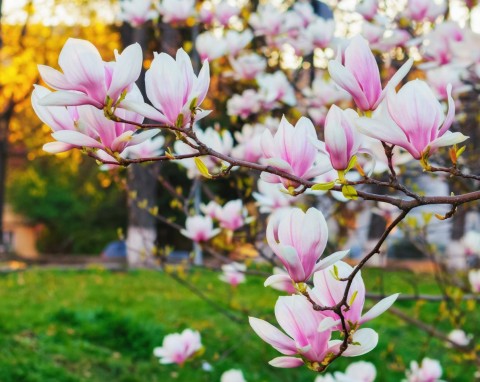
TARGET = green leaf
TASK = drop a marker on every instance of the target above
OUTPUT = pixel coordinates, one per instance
(323, 186)
(351, 164)
(352, 299)
(202, 168)
(349, 192)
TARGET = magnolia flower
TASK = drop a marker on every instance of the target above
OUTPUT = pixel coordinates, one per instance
(176, 10)
(471, 243)
(178, 347)
(424, 10)
(276, 88)
(220, 141)
(439, 78)
(210, 47)
(137, 12)
(299, 239)
(474, 279)
(305, 11)
(342, 141)
(429, 371)
(267, 21)
(297, 318)
(281, 281)
(236, 41)
(87, 79)
(199, 228)
(232, 215)
(270, 198)
(249, 143)
(459, 337)
(325, 378)
(245, 104)
(368, 9)
(224, 11)
(415, 120)
(324, 92)
(174, 90)
(147, 149)
(232, 375)
(248, 66)
(321, 32)
(292, 149)
(301, 41)
(86, 126)
(233, 273)
(358, 372)
(205, 13)
(329, 290)
(212, 209)
(360, 75)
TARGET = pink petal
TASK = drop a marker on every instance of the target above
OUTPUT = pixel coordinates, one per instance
(273, 336)
(126, 70)
(76, 138)
(286, 362)
(379, 308)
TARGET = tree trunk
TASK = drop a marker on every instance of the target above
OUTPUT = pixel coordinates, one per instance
(142, 227)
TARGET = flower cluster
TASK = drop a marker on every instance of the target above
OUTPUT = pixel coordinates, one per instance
(299, 240)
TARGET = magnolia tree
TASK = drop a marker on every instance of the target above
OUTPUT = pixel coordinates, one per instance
(318, 112)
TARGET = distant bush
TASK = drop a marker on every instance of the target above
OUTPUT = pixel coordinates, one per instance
(78, 209)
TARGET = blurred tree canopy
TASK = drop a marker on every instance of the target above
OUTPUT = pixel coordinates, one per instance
(66, 198)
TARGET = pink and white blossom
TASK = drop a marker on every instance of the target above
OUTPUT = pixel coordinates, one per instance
(424, 10)
(220, 141)
(474, 280)
(233, 215)
(271, 199)
(328, 290)
(249, 146)
(87, 79)
(413, 119)
(245, 104)
(212, 209)
(233, 273)
(86, 127)
(137, 12)
(224, 11)
(429, 371)
(236, 41)
(267, 21)
(232, 375)
(357, 372)
(439, 79)
(292, 149)
(199, 228)
(174, 11)
(148, 149)
(342, 140)
(459, 337)
(210, 46)
(321, 32)
(248, 66)
(281, 281)
(300, 323)
(174, 90)
(275, 88)
(298, 239)
(368, 9)
(359, 74)
(179, 347)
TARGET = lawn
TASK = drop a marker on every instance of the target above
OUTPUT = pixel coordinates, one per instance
(97, 325)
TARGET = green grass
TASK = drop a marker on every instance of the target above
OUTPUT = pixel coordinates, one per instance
(102, 326)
